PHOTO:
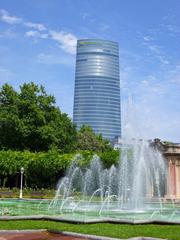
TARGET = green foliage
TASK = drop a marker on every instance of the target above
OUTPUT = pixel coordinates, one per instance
(168, 143)
(88, 140)
(36, 135)
(110, 157)
(44, 169)
(10, 164)
(30, 120)
(84, 158)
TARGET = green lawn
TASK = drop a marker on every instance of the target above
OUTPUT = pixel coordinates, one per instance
(104, 229)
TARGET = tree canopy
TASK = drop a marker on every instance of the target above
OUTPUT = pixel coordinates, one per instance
(88, 140)
(35, 134)
(30, 120)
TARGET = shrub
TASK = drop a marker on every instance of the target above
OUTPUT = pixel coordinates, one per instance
(43, 169)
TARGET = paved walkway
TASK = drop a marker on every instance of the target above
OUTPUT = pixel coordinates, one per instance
(43, 234)
(37, 236)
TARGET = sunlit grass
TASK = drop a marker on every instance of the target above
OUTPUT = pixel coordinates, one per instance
(101, 229)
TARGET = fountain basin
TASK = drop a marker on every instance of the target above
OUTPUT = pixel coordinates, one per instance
(87, 212)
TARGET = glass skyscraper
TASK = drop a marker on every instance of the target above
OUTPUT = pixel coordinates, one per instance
(97, 87)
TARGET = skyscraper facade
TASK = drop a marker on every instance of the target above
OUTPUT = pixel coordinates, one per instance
(97, 87)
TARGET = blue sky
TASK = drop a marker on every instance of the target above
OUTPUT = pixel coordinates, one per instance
(38, 42)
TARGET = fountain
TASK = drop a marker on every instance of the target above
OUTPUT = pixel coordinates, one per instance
(133, 190)
(135, 185)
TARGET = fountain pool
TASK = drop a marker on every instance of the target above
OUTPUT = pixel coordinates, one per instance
(133, 190)
(79, 210)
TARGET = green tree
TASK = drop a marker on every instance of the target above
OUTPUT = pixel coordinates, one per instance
(10, 124)
(110, 157)
(88, 140)
(30, 120)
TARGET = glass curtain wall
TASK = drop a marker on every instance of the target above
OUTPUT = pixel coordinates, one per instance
(97, 87)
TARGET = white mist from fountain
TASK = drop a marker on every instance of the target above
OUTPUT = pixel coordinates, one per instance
(133, 185)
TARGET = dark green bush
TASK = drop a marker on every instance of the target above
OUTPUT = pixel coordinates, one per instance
(43, 169)
(110, 157)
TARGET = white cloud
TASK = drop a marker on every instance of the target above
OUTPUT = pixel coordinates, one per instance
(171, 28)
(147, 38)
(126, 74)
(36, 34)
(37, 26)
(157, 51)
(156, 94)
(154, 48)
(6, 17)
(163, 60)
(67, 41)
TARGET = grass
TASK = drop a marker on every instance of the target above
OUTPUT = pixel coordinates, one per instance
(27, 193)
(102, 229)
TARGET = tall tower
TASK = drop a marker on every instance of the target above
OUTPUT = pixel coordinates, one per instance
(97, 87)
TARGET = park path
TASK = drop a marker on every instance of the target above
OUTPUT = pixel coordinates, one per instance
(37, 236)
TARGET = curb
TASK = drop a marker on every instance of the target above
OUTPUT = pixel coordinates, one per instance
(23, 231)
(93, 221)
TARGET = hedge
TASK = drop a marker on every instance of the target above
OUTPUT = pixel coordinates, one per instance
(42, 169)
